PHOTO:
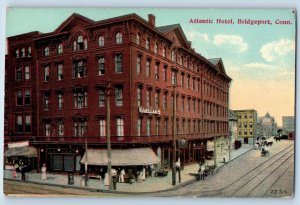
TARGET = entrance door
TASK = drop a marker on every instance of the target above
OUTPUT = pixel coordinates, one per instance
(246, 140)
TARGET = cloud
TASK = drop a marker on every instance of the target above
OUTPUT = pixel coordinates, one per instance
(196, 36)
(271, 51)
(258, 65)
(234, 40)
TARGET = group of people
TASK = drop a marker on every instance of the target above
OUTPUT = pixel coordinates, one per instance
(201, 171)
(22, 167)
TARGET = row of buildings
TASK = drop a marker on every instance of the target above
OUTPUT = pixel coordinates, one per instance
(57, 87)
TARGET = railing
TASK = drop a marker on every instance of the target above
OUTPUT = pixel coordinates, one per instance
(114, 139)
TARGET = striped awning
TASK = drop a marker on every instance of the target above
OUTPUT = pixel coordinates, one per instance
(27, 151)
(121, 157)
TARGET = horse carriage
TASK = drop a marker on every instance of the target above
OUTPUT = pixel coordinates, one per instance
(264, 152)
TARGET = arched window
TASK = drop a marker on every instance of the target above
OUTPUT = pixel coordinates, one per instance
(119, 39)
(147, 43)
(46, 51)
(101, 41)
(138, 39)
(74, 45)
(23, 52)
(17, 53)
(156, 47)
(164, 52)
(60, 48)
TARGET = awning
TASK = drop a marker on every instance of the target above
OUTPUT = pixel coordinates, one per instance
(121, 157)
(27, 151)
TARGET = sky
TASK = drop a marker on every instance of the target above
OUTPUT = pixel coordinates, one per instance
(260, 59)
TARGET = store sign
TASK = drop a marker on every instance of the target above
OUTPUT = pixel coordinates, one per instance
(149, 110)
(18, 144)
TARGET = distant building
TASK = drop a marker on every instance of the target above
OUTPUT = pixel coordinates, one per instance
(233, 130)
(268, 125)
(247, 125)
(288, 124)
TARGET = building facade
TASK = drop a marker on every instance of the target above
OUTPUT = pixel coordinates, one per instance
(58, 85)
(247, 125)
(288, 124)
(233, 127)
(268, 125)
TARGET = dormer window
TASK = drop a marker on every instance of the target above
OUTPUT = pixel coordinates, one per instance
(46, 51)
(60, 48)
(101, 41)
(119, 37)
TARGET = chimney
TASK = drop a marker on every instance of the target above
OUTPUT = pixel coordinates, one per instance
(151, 20)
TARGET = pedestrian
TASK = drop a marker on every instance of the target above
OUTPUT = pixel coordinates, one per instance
(224, 158)
(44, 169)
(14, 170)
(202, 171)
(122, 175)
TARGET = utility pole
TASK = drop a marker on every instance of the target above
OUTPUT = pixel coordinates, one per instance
(174, 137)
(86, 160)
(108, 136)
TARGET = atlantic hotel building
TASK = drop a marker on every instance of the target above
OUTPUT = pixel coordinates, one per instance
(57, 85)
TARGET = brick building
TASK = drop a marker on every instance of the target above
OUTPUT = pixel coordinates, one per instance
(57, 85)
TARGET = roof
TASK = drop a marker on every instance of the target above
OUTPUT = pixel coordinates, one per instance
(167, 28)
(232, 115)
(214, 61)
(121, 157)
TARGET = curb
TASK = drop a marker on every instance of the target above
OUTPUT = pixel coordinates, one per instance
(107, 191)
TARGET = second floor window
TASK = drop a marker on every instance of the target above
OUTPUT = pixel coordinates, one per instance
(156, 100)
(80, 99)
(118, 63)
(102, 127)
(80, 128)
(101, 66)
(27, 123)
(79, 69)
(61, 128)
(139, 127)
(119, 96)
(47, 129)
(120, 127)
(19, 124)
(165, 73)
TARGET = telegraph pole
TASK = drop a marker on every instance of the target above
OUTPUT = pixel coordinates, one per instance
(174, 137)
(86, 160)
(108, 136)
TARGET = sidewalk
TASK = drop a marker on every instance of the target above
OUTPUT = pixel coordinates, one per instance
(238, 152)
(151, 184)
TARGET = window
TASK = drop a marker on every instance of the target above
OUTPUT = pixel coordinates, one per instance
(118, 63)
(102, 127)
(119, 37)
(61, 128)
(139, 127)
(165, 101)
(156, 100)
(156, 71)
(240, 125)
(139, 96)
(80, 99)
(27, 73)
(148, 127)
(245, 115)
(19, 124)
(250, 132)
(138, 64)
(74, 45)
(193, 84)
(194, 105)
(250, 124)
(27, 97)
(245, 132)
(46, 51)
(27, 123)
(60, 75)
(172, 56)
(19, 97)
(148, 98)
(60, 48)
(60, 100)
(182, 80)
(188, 81)
(250, 115)
(80, 45)
(80, 128)
(138, 39)
(166, 126)
(164, 52)
(101, 66)
(156, 48)
(120, 127)
(182, 104)
(189, 104)
(240, 116)
(148, 68)
(174, 80)
(46, 74)
(46, 100)
(79, 69)
(148, 44)
(157, 127)
(240, 132)
(47, 129)
(165, 73)
(245, 124)
(101, 97)
(85, 45)
(17, 53)
(101, 41)
(19, 73)
(23, 52)
(119, 96)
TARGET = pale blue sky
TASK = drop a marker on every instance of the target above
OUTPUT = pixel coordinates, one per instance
(259, 59)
